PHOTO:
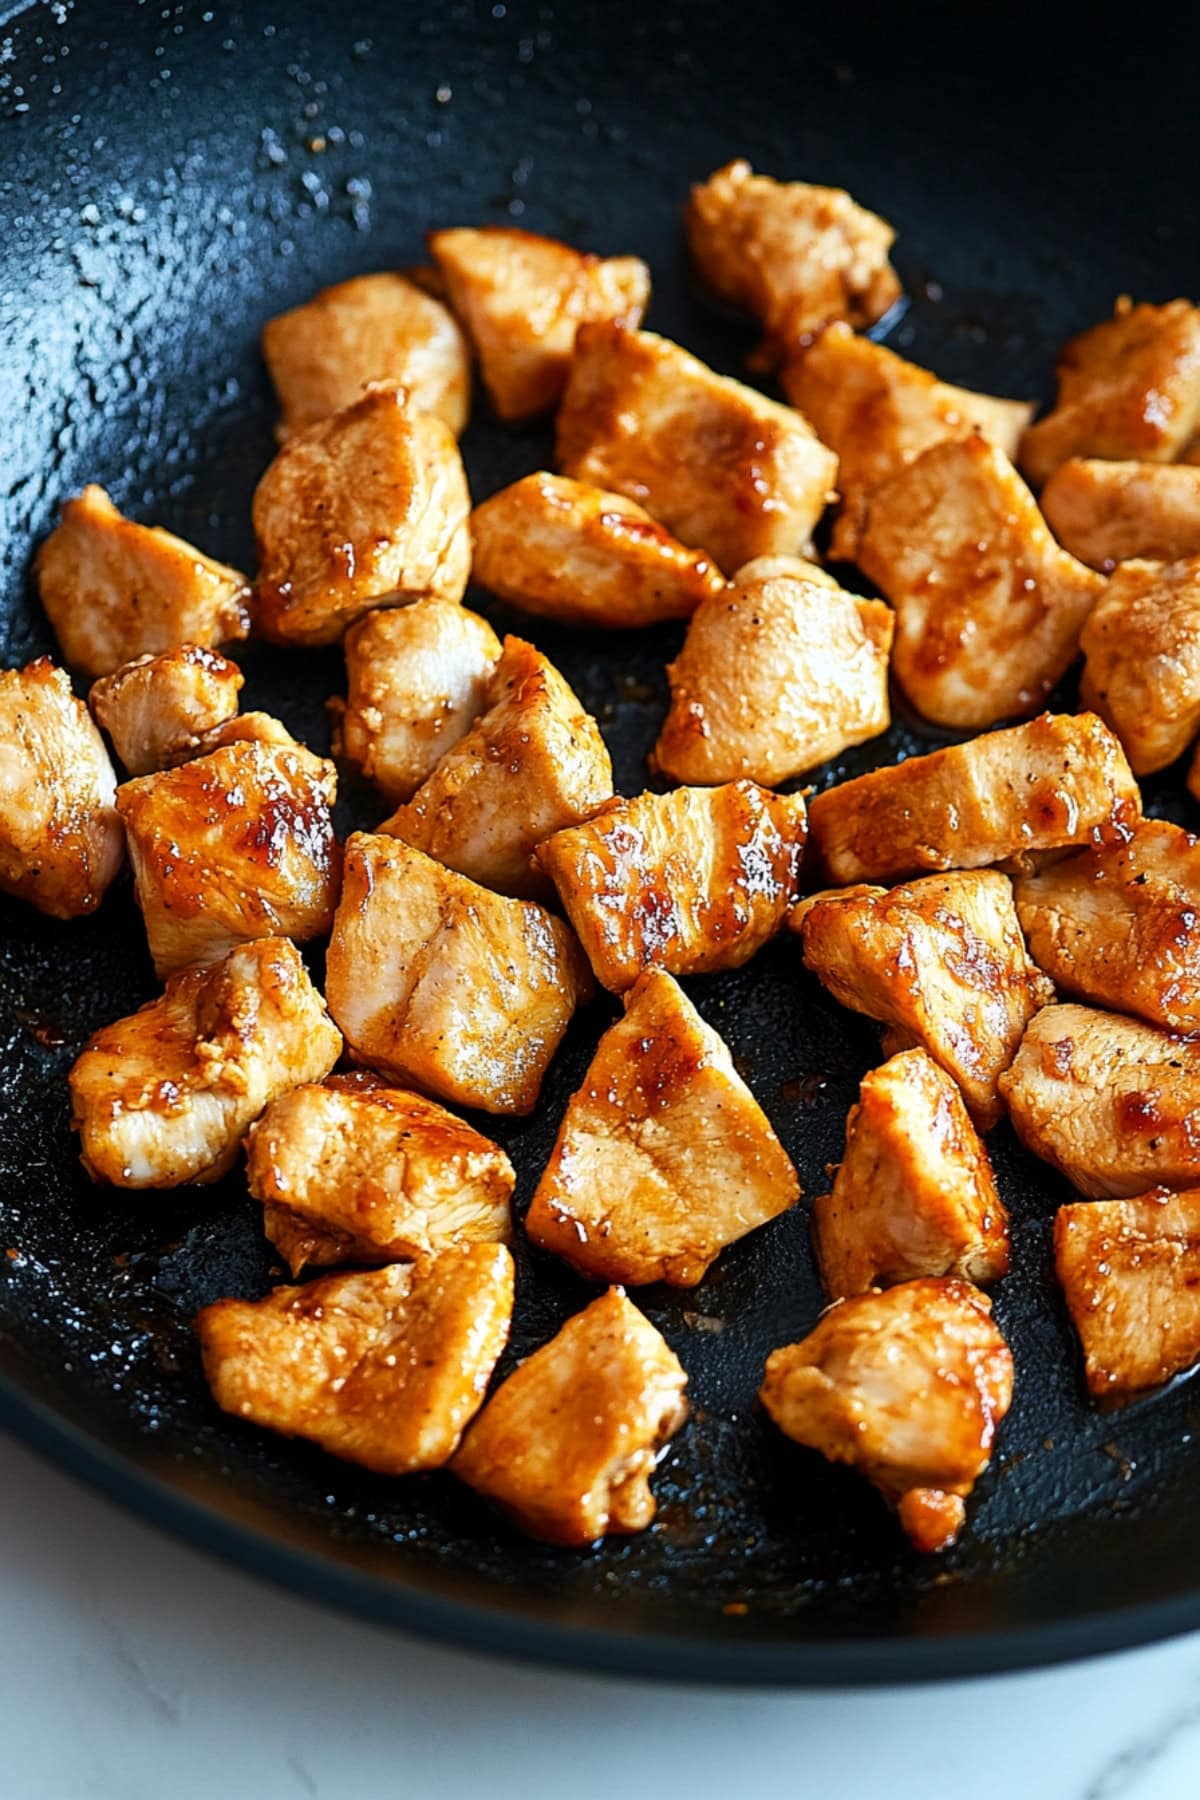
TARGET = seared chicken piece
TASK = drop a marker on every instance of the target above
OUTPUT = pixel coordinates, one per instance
(690, 881)
(943, 963)
(166, 1095)
(775, 676)
(442, 985)
(531, 764)
(522, 298)
(663, 1156)
(115, 590)
(1107, 513)
(721, 466)
(157, 709)
(61, 841)
(367, 508)
(909, 1386)
(567, 1445)
(384, 1368)
(1056, 781)
(988, 607)
(417, 678)
(1141, 670)
(914, 1194)
(358, 1172)
(235, 845)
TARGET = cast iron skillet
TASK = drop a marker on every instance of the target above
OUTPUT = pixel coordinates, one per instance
(169, 177)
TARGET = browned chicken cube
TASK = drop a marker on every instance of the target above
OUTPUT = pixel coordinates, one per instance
(115, 590)
(1141, 669)
(384, 1368)
(441, 985)
(157, 709)
(61, 841)
(567, 1445)
(166, 1095)
(1107, 513)
(523, 297)
(909, 1386)
(235, 845)
(663, 1156)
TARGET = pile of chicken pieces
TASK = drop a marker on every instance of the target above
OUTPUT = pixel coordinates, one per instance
(1028, 941)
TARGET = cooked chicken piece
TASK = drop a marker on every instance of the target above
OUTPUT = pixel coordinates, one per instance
(856, 891)
(358, 1172)
(417, 678)
(115, 590)
(690, 881)
(988, 607)
(531, 764)
(1130, 1270)
(384, 1368)
(1056, 781)
(909, 1386)
(774, 677)
(1107, 513)
(250, 728)
(879, 412)
(800, 568)
(915, 1194)
(721, 466)
(522, 298)
(235, 845)
(567, 1445)
(374, 328)
(166, 1095)
(368, 508)
(1109, 1101)
(943, 962)
(442, 985)
(157, 709)
(1128, 390)
(1141, 670)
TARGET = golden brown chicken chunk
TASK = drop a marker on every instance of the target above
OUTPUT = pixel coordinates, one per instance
(373, 328)
(115, 590)
(383, 1368)
(988, 607)
(1107, 513)
(166, 1095)
(367, 508)
(442, 985)
(235, 845)
(663, 1156)
(157, 709)
(914, 1194)
(532, 763)
(941, 961)
(721, 466)
(567, 1445)
(522, 298)
(909, 1386)
(1056, 781)
(690, 881)
(1141, 669)
(61, 841)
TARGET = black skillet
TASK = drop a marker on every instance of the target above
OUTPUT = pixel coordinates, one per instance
(170, 176)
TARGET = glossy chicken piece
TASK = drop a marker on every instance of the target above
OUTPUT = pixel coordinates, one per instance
(166, 1095)
(573, 553)
(663, 1156)
(157, 709)
(235, 845)
(943, 963)
(1141, 667)
(566, 1446)
(914, 1194)
(441, 985)
(383, 1368)
(908, 1386)
(774, 677)
(61, 842)
(988, 607)
(1107, 513)
(690, 881)
(522, 298)
(115, 590)
(367, 508)
(719, 465)
(1058, 780)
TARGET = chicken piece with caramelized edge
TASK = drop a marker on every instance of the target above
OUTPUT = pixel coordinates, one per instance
(1141, 669)
(158, 709)
(566, 1446)
(1107, 513)
(909, 1386)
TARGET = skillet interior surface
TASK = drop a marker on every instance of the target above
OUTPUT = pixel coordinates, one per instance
(171, 176)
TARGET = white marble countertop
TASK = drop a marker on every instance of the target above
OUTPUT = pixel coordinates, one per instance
(133, 1668)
